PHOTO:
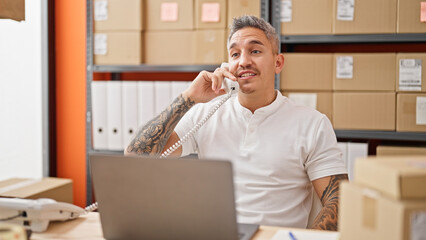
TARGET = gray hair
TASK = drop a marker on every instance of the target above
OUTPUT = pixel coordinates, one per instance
(255, 22)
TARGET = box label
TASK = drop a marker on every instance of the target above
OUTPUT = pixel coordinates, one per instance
(286, 11)
(101, 44)
(410, 74)
(423, 12)
(101, 10)
(210, 12)
(421, 111)
(305, 99)
(169, 12)
(345, 10)
(418, 225)
(345, 67)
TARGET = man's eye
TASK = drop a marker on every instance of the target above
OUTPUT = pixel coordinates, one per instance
(234, 55)
(255, 51)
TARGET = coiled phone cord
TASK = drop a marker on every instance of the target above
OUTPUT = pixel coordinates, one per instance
(196, 127)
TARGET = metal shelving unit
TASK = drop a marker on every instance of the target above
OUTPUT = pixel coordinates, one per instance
(357, 38)
(290, 40)
(116, 70)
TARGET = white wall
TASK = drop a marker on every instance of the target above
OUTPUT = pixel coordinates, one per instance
(21, 81)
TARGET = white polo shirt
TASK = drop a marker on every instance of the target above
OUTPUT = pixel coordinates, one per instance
(276, 153)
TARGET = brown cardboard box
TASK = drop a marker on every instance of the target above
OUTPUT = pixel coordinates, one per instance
(238, 8)
(411, 112)
(209, 45)
(309, 17)
(378, 16)
(210, 14)
(323, 101)
(307, 71)
(411, 72)
(169, 14)
(402, 177)
(118, 15)
(169, 47)
(364, 110)
(400, 151)
(366, 214)
(12, 9)
(370, 72)
(59, 189)
(118, 47)
(410, 17)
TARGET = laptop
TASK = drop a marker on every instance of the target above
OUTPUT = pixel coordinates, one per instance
(148, 198)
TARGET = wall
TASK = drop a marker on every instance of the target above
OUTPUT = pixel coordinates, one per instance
(21, 95)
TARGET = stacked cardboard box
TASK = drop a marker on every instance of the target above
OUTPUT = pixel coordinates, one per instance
(364, 92)
(58, 189)
(118, 32)
(411, 16)
(387, 200)
(307, 79)
(399, 151)
(306, 17)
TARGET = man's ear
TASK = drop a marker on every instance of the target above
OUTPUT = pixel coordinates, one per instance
(279, 63)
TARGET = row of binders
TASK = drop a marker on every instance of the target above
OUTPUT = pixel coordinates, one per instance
(120, 108)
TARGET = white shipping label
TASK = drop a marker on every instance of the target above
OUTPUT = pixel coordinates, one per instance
(421, 111)
(410, 74)
(345, 67)
(418, 226)
(101, 10)
(345, 10)
(286, 11)
(305, 99)
(101, 44)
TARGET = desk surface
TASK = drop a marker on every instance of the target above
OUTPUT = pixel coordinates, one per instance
(89, 227)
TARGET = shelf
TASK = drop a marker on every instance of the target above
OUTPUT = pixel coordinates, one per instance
(382, 135)
(354, 38)
(153, 68)
(118, 152)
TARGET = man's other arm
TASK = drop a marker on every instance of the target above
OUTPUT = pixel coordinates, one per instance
(327, 189)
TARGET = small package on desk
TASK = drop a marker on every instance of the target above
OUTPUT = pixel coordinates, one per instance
(59, 189)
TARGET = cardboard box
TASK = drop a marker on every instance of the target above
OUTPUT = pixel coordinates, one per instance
(237, 8)
(401, 177)
(365, 16)
(169, 47)
(366, 214)
(209, 46)
(307, 17)
(321, 101)
(411, 72)
(169, 14)
(411, 112)
(307, 71)
(400, 151)
(210, 14)
(12, 9)
(411, 18)
(364, 110)
(123, 48)
(364, 71)
(118, 15)
(59, 189)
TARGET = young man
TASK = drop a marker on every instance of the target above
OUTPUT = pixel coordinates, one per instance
(279, 150)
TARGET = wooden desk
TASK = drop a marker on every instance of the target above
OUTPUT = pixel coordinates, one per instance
(89, 227)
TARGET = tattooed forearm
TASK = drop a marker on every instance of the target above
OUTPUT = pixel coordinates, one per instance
(152, 137)
(327, 218)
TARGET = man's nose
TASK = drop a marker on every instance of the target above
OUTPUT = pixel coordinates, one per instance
(245, 60)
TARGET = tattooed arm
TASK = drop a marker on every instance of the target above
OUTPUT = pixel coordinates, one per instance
(328, 190)
(158, 134)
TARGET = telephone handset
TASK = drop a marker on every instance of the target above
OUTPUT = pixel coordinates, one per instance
(230, 88)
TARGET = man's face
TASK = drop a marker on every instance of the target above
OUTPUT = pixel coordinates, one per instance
(251, 60)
